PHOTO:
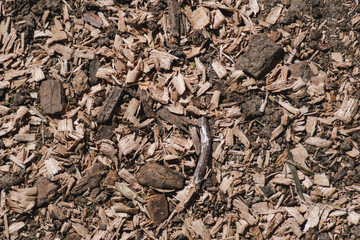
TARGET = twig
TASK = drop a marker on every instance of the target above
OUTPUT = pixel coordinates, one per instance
(205, 150)
(295, 175)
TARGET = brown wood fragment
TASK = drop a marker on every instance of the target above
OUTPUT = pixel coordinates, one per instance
(91, 179)
(109, 105)
(159, 176)
(158, 209)
(52, 98)
(180, 122)
(93, 68)
(174, 18)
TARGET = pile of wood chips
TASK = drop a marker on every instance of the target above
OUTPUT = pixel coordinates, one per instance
(99, 109)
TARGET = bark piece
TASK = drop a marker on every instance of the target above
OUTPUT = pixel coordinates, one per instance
(158, 209)
(180, 122)
(174, 18)
(91, 179)
(159, 176)
(52, 97)
(261, 56)
(109, 105)
(46, 191)
(93, 68)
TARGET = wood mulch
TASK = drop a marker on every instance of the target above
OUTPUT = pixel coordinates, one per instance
(172, 119)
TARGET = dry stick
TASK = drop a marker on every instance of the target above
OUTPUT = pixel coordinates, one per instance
(204, 152)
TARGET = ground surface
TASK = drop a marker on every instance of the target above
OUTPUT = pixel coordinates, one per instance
(100, 102)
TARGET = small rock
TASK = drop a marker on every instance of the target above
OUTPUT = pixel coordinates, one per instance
(8, 180)
(52, 98)
(57, 212)
(261, 57)
(302, 70)
(46, 191)
(80, 82)
(315, 34)
(346, 145)
(158, 209)
(159, 176)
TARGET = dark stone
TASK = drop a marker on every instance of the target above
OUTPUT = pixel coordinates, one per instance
(346, 145)
(261, 57)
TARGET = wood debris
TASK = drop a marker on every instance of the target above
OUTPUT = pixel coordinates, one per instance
(179, 119)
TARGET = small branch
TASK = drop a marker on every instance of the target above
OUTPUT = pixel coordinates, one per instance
(204, 152)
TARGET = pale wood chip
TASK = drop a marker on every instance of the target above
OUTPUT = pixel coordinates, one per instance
(179, 83)
(131, 111)
(318, 142)
(199, 19)
(321, 179)
(310, 126)
(219, 69)
(219, 19)
(200, 229)
(353, 217)
(347, 110)
(295, 213)
(244, 210)
(313, 218)
(274, 14)
(241, 136)
(203, 88)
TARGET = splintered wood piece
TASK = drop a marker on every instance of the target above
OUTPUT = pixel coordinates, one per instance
(321, 179)
(241, 136)
(200, 229)
(159, 176)
(158, 208)
(131, 111)
(52, 98)
(109, 105)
